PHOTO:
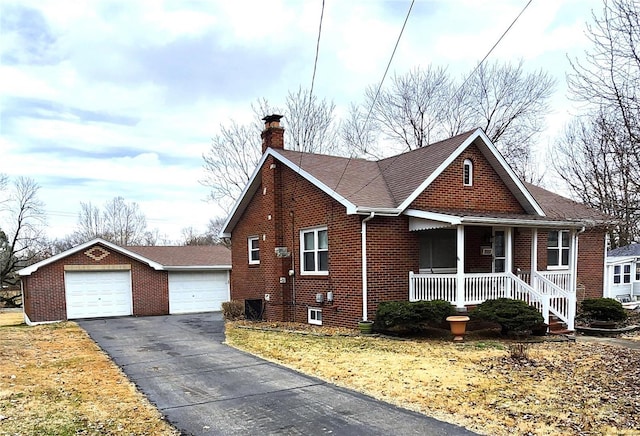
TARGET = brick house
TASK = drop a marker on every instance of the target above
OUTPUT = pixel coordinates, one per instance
(101, 279)
(323, 239)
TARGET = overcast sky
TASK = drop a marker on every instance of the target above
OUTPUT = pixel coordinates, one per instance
(120, 98)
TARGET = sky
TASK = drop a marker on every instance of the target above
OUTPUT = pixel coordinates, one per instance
(106, 98)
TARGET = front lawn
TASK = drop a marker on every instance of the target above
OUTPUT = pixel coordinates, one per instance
(54, 380)
(562, 388)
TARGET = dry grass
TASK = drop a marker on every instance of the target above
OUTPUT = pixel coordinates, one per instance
(562, 388)
(55, 380)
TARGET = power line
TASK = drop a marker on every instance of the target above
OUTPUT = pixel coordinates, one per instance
(375, 98)
(315, 62)
(453, 95)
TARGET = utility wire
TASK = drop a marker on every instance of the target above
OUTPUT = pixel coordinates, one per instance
(453, 95)
(375, 98)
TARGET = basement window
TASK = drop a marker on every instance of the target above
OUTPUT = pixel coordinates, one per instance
(314, 315)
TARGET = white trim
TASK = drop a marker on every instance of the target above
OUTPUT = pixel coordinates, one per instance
(460, 267)
(251, 250)
(560, 248)
(495, 153)
(492, 221)
(365, 289)
(33, 268)
(316, 310)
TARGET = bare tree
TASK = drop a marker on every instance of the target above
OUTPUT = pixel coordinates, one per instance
(125, 222)
(510, 105)
(600, 171)
(91, 223)
(210, 237)
(603, 166)
(23, 241)
(236, 150)
(425, 105)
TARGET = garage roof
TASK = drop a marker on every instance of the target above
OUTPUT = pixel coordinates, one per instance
(209, 257)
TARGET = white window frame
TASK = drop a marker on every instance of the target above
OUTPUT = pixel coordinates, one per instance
(312, 315)
(622, 273)
(637, 271)
(559, 249)
(468, 163)
(315, 250)
(252, 250)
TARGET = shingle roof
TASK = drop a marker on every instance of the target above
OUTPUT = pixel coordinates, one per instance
(557, 206)
(627, 250)
(385, 183)
(191, 255)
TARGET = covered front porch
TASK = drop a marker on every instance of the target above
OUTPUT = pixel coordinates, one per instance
(467, 264)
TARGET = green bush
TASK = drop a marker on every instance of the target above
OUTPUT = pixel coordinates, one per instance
(233, 310)
(514, 316)
(405, 316)
(603, 309)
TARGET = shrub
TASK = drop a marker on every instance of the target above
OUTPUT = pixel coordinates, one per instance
(233, 310)
(514, 316)
(405, 316)
(603, 309)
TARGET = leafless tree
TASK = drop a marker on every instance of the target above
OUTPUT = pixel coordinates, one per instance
(236, 150)
(600, 171)
(125, 222)
(22, 242)
(510, 105)
(426, 105)
(210, 237)
(119, 222)
(603, 166)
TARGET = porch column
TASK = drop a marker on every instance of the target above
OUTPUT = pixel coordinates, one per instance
(573, 262)
(508, 260)
(534, 258)
(460, 268)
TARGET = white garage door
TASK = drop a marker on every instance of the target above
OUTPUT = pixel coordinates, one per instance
(92, 294)
(191, 292)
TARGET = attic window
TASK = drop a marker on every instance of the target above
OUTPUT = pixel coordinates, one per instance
(467, 173)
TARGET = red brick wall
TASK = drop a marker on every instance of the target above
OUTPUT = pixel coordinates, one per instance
(488, 192)
(44, 289)
(591, 263)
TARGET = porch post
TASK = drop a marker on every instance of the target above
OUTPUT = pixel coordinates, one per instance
(508, 261)
(460, 269)
(534, 258)
(573, 260)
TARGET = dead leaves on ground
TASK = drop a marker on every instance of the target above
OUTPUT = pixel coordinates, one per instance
(563, 388)
(55, 380)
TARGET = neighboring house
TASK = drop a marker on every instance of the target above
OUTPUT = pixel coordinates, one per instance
(324, 239)
(101, 279)
(622, 275)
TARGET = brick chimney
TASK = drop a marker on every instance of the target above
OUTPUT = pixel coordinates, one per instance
(273, 134)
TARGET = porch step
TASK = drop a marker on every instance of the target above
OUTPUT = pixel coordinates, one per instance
(557, 327)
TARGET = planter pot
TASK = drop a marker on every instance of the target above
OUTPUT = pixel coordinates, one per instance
(458, 325)
(366, 327)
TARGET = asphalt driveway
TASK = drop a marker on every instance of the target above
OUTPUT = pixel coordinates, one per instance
(205, 387)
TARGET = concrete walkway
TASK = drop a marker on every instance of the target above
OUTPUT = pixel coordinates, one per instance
(204, 387)
(626, 343)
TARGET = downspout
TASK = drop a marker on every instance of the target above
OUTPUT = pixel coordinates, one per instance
(364, 265)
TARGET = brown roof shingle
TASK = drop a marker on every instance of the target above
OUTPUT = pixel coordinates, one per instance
(190, 255)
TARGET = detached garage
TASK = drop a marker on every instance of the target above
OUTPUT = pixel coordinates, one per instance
(101, 279)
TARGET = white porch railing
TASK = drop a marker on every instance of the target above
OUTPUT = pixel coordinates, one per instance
(561, 279)
(561, 302)
(543, 293)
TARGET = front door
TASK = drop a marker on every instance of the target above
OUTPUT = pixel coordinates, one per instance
(499, 252)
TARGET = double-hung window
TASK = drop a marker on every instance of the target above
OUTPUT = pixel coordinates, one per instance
(558, 247)
(254, 250)
(622, 273)
(638, 272)
(314, 251)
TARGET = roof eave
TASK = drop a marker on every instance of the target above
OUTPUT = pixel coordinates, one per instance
(33, 268)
